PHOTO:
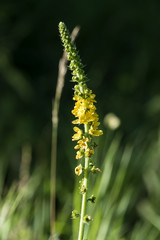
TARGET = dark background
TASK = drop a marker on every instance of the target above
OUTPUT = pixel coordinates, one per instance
(119, 44)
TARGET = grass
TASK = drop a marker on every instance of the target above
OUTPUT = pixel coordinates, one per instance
(126, 208)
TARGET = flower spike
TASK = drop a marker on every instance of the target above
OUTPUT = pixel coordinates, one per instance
(86, 117)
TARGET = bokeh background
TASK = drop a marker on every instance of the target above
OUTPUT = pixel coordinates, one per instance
(119, 44)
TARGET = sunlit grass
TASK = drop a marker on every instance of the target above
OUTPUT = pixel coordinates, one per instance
(126, 208)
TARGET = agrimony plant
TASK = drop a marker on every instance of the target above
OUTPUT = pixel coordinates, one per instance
(86, 116)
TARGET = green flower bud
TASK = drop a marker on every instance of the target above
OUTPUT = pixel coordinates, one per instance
(75, 214)
(95, 170)
(87, 219)
(92, 199)
(76, 65)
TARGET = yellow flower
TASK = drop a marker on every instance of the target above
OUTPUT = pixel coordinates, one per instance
(78, 170)
(93, 129)
(79, 154)
(95, 132)
(82, 144)
(78, 134)
(89, 152)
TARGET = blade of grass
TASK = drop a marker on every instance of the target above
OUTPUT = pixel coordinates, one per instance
(55, 109)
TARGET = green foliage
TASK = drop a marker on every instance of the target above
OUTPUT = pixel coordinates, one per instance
(25, 210)
(122, 211)
(126, 207)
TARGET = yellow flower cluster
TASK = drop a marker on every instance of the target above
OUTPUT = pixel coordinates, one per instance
(84, 109)
(85, 112)
(82, 145)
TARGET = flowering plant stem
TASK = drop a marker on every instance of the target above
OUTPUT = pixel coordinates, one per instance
(84, 196)
(85, 113)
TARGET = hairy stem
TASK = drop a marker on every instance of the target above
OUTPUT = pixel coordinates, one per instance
(84, 196)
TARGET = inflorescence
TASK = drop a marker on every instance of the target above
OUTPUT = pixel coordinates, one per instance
(84, 109)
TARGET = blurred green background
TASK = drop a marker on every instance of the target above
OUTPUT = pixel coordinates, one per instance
(119, 44)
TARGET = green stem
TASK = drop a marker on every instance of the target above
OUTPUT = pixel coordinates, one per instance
(84, 196)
